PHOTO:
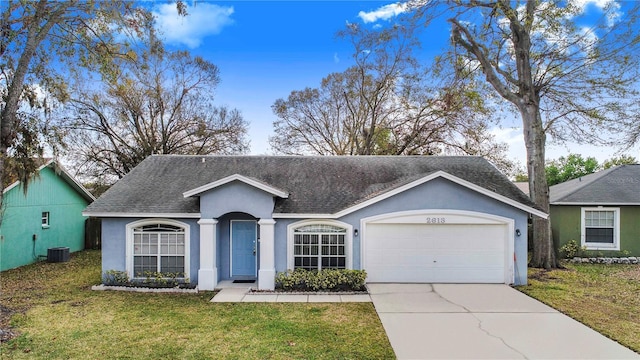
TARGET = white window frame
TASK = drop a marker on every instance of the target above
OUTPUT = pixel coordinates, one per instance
(129, 242)
(46, 217)
(616, 229)
(348, 241)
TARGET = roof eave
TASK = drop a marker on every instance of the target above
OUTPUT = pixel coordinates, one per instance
(237, 177)
(595, 203)
(106, 214)
(413, 184)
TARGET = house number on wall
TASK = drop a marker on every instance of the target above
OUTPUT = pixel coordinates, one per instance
(436, 220)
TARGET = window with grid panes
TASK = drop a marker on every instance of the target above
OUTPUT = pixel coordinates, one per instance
(158, 248)
(45, 219)
(599, 226)
(319, 247)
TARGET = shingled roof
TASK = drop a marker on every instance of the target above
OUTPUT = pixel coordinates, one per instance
(615, 186)
(315, 184)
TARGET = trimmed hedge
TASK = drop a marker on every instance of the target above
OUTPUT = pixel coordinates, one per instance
(151, 280)
(323, 280)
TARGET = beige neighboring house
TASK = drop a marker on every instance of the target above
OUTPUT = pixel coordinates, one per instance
(523, 186)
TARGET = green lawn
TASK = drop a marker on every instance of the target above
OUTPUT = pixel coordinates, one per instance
(58, 317)
(603, 297)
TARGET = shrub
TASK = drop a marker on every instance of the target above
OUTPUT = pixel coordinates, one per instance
(151, 280)
(323, 280)
(570, 249)
(115, 278)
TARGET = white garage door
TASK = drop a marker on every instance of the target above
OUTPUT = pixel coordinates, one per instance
(443, 253)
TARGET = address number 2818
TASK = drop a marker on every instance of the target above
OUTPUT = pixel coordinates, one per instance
(436, 220)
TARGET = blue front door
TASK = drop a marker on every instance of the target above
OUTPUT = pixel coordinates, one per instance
(243, 248)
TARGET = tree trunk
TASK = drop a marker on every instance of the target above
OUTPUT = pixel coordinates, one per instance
(36, 33)
(543, 255)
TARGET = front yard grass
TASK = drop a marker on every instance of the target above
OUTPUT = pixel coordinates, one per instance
(603, 297)
(57, 316)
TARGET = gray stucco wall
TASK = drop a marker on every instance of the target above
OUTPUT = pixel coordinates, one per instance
(435, 194)
(233, 201)
(114, 239)
(240, 201)
(446, 195)
(236, 197)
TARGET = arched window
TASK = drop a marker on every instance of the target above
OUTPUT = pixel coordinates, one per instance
(158, 247)
(320, 246)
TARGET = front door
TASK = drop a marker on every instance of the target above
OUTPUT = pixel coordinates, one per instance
(243, 248)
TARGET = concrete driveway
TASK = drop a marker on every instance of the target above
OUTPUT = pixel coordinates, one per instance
(482, 321)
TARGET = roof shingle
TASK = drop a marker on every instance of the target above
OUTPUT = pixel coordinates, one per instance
(617, 185)
(316, 184)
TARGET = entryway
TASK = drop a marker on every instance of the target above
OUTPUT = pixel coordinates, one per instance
(243, 249)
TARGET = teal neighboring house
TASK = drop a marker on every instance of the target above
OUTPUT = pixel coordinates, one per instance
(49, 215)
(600, 211)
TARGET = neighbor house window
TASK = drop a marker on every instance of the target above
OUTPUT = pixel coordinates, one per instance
(45, 219)
(601, 228)
(319, 246)
(159, 248)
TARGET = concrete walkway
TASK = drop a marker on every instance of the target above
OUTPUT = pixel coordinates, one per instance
(239, 294)
(482, 321)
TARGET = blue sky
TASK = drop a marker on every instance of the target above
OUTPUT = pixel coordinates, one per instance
(266, 49)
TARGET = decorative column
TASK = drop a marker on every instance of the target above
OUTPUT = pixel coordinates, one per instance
(267, 272)
(208, 272)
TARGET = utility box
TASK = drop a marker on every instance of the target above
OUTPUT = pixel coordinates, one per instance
(58, 254)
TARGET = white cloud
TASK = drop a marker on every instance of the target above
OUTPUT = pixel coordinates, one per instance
(336, 59)
(611, 7)
(589, 38)
(509, 135)
(385, 12)
(601, 4)
(512, 136)
(203, 20)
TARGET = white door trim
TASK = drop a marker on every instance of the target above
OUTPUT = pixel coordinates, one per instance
(444, 217)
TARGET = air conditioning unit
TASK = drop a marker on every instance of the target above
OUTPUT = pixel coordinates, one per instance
(58, 254)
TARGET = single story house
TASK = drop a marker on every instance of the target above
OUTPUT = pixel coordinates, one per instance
(48, 215)
(401, 218)
(600, 211)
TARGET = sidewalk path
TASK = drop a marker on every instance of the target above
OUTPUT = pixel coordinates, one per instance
(245, 295)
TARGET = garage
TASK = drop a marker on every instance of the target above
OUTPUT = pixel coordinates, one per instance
(442, 247)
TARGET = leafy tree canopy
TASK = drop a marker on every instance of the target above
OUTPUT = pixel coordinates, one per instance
(619, 160)
(573, 166)
(41, 44)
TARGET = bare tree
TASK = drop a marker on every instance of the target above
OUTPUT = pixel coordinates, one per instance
(161, 103)
(566, 81)
(386, 104)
